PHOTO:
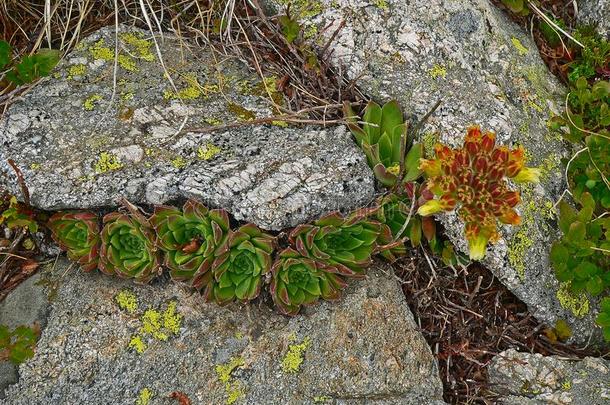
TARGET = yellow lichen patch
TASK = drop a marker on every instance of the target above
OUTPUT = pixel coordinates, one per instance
(232, 388)
(178, 162)
(212, 121)
(437, 71)
(141, 46)
(171, 319)
(100, 51)
(127, 63)
(429, 139)
(91, 101)
(208, 151)
(107, 162)
(35, 166)
(240, 112)
(320, 399)
(578, 305)
(193, 90)
(519, 46)
(382, 4)
(566, 385)
(282, 124)
(294, 358)
(127, 96)
(76, 70)
(304, 8)
(151, 325)
(127, 301)
(137, 344)
(145, 396)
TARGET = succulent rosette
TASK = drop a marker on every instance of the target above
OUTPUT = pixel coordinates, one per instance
(128, 247)
(77, 233)
(345, 245)
(298, 281)
(237, 272)
(473, 176)
(190, 237)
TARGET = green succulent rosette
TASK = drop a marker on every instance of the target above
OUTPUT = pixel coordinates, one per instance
(190, 237)
(128, 248)
(237, 273)
(344, 245)
(298, 281)
(78, 234)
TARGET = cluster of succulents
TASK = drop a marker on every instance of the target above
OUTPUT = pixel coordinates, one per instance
(198, 246)
(474, 177)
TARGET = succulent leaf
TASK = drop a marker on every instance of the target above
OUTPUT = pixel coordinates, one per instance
(77, 233)
(128, 248)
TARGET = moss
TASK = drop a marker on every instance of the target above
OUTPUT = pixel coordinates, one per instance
(171, 319)
(232, 388)
(208, 151)
(141, 46)
(137, 344)
(294, 358)
(127, 301)
(107, 162)
(240, 112)
(91, 101)
(100, 51)
(127, 63)
(579, 305)
(76, 70)
(178, 162)
(519, 46)
(437, 71)
(145, 396)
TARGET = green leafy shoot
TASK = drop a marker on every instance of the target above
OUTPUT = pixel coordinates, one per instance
(18, 345)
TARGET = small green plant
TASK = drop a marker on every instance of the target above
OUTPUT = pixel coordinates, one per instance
(386, 142)
(343, 245)
(78, 233)
(190, 237)
(298, 281)
(474, 176)
(517, 6)
(28, 68)
(603, 319)
(18, 216)
(593, 58)
(582, 256)
(128, 247)
(18, 345)
(237, 272)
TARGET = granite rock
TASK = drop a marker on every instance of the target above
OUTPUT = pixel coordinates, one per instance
(364, 348)
(79, 150)
(597, 13)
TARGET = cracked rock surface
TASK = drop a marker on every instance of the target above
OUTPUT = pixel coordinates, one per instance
(531, 379)
(77, 150)
(364, 348)
(487, 71)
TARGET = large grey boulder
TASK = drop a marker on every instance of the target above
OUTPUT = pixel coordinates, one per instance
(595, 12)
(524, 378)
(77, 150)
(364, 348)
(488, 71)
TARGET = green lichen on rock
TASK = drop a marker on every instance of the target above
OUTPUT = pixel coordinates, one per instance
(578, 304)
(380, 4)
(76, 70)
(107, 162)
(291, 363)
(157, 325)
(91, 101)
(232, 388)
(145, 396)
(437, 71)
(127, 301)
(136, 343)
(192, 91)
(172, 320)
(321, 399)
(304, 8)
(208, 151)
(127, 63)
(178, 162)
(100, 51)
(519, 46)
(141, 46)
(241, 112)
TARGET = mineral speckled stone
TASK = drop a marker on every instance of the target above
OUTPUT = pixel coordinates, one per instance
(597, 13)
(364, 348)
(77, 150)
(487, 71)
(530, 379)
